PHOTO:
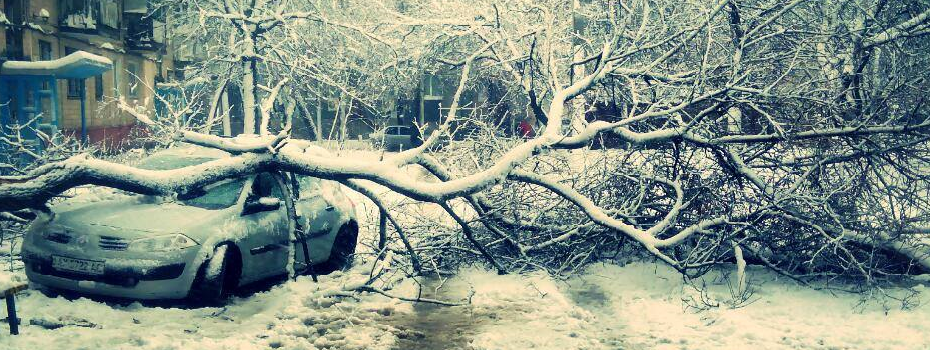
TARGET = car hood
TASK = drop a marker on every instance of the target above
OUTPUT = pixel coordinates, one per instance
(129, 218)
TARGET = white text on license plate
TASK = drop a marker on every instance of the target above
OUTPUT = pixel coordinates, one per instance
(77, 265)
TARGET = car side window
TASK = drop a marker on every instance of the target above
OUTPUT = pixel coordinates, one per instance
(309, 186)
(266, 186)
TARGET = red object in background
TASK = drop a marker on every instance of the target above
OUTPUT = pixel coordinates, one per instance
(526, 130)
(112, 138)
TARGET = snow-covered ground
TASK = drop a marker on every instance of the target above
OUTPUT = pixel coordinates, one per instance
(639, 305)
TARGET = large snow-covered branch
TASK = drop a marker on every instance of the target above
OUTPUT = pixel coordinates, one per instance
(255, 144)
(33, 190)
(900, 30)
(82, 170)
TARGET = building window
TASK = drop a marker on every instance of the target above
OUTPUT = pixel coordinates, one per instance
(82, 14)
(45, 50)
(98, 87)
(109, 13)
(432, 86)
(76, 6)
(45, 54)
(132, 74)
(75, 86)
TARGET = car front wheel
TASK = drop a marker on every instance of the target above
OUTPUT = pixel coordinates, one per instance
(210, 285)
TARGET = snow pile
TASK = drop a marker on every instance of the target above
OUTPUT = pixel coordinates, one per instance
(11, 279)
(299, 314)
(107, 46)
(92, 194)
(38, 28)
(57, 66)
(653, 308)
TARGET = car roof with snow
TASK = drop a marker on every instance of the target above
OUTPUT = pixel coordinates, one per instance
(186, 155)
(180, 156)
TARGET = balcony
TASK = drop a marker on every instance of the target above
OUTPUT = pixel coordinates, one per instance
(143, 31)
(90, 17)
(12, 53)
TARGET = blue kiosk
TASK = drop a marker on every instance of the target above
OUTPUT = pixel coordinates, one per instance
(26, 85)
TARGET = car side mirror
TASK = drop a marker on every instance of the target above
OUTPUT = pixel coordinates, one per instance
(261, 204)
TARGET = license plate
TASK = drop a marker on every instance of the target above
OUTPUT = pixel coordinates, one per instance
(77, 265)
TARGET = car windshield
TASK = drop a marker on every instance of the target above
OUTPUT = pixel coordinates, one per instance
(219, 195)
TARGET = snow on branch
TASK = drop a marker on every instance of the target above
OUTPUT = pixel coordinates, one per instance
(34, 189)
(900, 30)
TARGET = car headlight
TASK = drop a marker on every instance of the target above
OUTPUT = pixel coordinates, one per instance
(161, 243)
(50, 233)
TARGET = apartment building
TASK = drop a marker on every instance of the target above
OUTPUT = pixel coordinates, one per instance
(123, 31)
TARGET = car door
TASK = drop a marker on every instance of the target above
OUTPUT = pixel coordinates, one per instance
(317, 218)
(265, 248)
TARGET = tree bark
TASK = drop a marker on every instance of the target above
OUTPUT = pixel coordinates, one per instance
(248, 97)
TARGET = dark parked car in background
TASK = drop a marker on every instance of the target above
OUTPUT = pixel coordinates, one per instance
(396, 138)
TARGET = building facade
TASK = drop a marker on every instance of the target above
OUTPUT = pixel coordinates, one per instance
(121, 30)
(145, 63)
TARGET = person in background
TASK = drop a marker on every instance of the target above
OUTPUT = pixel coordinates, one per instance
(526, 130)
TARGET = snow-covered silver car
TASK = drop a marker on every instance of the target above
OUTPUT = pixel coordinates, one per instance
(200, 244)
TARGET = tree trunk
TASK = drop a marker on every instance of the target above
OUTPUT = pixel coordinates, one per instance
(227, 125)
(578, 72)
(319, 120)
(248, 98)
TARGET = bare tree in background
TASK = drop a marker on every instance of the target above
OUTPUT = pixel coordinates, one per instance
(316, 45)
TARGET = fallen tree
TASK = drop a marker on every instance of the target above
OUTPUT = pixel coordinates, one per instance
(738, 136)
